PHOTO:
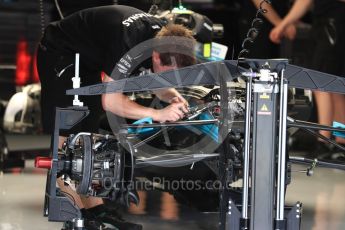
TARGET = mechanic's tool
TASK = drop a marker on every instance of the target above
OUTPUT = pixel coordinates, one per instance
(198, 109)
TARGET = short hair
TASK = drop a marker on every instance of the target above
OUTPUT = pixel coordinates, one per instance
(180, 50)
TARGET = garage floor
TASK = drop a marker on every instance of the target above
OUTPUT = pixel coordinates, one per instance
(22, 192)
(322, 195)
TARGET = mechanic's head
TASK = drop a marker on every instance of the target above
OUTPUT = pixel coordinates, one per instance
(178, 53)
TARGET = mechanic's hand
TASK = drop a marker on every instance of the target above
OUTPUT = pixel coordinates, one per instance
(290, 32)
(179, 99)
(173, 112)
(276, 33)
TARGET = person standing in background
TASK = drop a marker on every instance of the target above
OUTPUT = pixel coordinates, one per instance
(328, 34)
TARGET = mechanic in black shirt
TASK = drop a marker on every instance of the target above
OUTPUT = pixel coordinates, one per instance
(102, 36)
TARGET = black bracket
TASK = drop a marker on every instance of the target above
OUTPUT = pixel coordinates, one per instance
(58, 206)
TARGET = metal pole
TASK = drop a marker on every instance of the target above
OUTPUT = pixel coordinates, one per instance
(76, 81)
(76, 69)
(282, 150)
(245, 195)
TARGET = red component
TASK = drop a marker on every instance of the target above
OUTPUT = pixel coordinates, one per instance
(43, 162)
(23, 63)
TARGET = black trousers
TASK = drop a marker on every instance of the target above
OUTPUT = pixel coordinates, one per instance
(328, 35)
(55, 82)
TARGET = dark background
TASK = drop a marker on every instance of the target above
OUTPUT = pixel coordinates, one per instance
(24, 21)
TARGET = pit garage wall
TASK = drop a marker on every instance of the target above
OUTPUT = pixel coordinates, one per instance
(20, 23)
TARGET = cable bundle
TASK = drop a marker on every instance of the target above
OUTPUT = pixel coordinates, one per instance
(253, 30)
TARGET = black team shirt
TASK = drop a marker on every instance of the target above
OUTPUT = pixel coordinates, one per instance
(102, 35)
(329, 8)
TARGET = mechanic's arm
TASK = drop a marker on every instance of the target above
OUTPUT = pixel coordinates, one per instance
(121, 105)
(170, 96)
(299, 8)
